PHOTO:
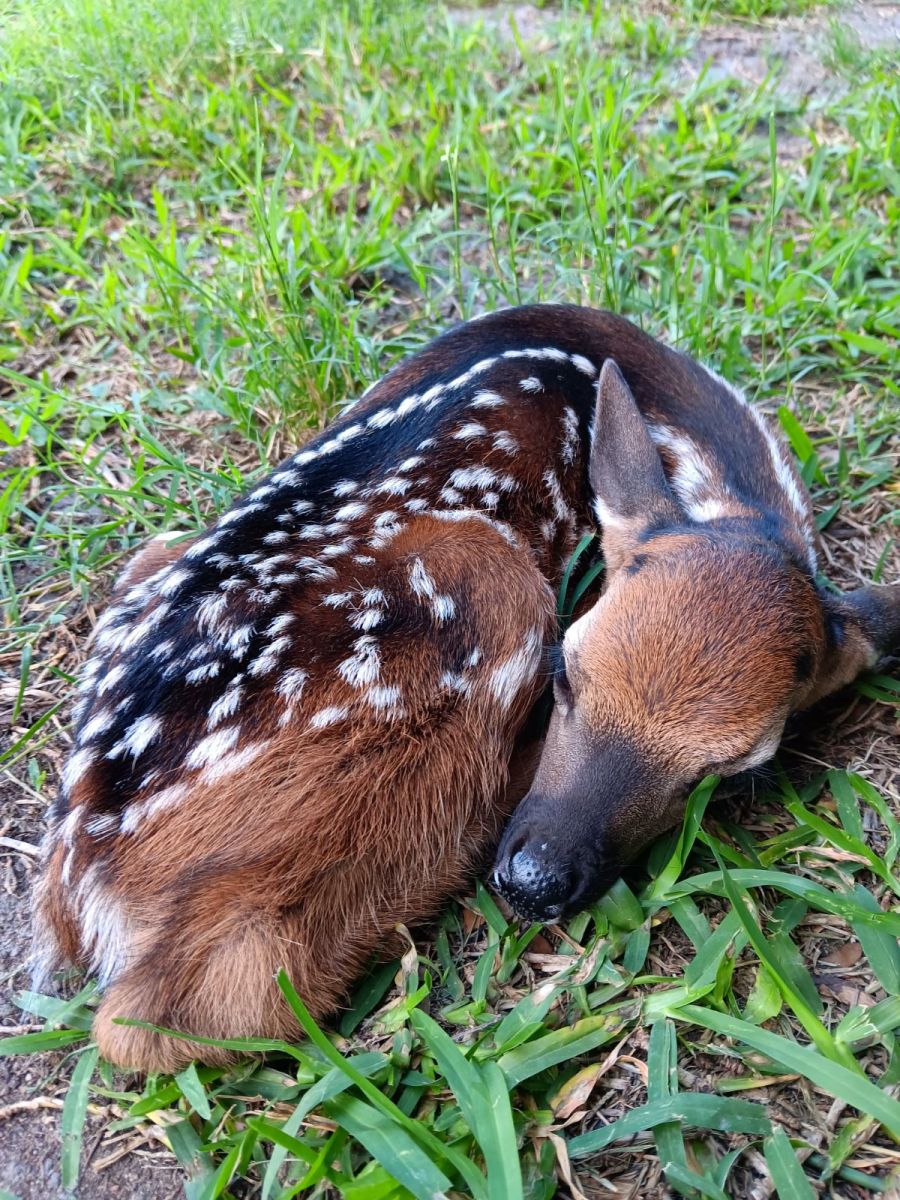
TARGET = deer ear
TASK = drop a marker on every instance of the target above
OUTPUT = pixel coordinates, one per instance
(861, 628)
(631, 492)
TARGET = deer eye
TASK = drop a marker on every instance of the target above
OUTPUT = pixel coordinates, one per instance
(562, 689)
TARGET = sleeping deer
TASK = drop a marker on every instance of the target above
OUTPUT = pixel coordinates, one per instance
(308, 723)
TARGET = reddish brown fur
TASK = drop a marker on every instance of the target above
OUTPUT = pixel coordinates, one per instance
(193, 857)
(319, 890)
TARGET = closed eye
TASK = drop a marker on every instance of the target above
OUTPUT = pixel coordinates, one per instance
(562, 689)
(764, 750)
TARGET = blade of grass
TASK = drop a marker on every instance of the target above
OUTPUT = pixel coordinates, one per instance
(73, 1117)
(836, 1079)
(427, 1140)
(702, 1112)
(788, 1176)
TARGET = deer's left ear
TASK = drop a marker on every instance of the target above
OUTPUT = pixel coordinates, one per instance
(862, 627)
(631, 492)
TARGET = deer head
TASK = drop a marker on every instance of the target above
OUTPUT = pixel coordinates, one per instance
(706, 637)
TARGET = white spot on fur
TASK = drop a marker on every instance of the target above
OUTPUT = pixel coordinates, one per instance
(531, 384)
(173, 582)
(309, 532)
(443, 607)
(351, 432)
(315, 569)
(136, 813)
(268, 660)
(416, 505)
(336, 549)
(584, 365)
(364, 665)
(97, 724)
(103, 925)
(346, 487)
(561, 510)
(239, 640)
(365, 560)
(78, 764)
(206, 671)
(211, 610)
(238, 514)
(211, 748)
(348, 512)
(571, 437)
(385, 535)
(394, 485)
(452, 682)
(110, 679)
(486, 399)
(508, 680)
(278, 538)
(382, 418)
(280, 624)
(328, 716)
(146, 626)
(337, 599)
(410, 464)
(505, 442)
(472, 429)
(139, 735)
(287, 478)
(102, 826)
(200, 548)
(419, 580)
(367, 618)
(386, 701)
(466, 378)
(482, 477)
(291, 684)
(235, 761)
(227, 704)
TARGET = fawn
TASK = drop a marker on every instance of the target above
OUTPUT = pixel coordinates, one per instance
(309, 723)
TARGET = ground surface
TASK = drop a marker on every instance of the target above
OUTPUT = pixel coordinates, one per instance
(218, 221)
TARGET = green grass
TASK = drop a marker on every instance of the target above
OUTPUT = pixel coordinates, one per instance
(218, 221)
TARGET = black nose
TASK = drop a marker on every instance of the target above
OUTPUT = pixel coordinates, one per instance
(536, 887)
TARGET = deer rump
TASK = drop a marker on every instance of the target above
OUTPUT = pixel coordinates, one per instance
(308, 724)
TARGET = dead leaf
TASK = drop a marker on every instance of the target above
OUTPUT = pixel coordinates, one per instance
(565, 1166)
(575, 1091)
(844, 955)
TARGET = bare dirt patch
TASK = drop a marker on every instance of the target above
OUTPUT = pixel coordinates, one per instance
(794, 51)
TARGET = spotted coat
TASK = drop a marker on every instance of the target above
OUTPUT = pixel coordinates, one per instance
(307, 723)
